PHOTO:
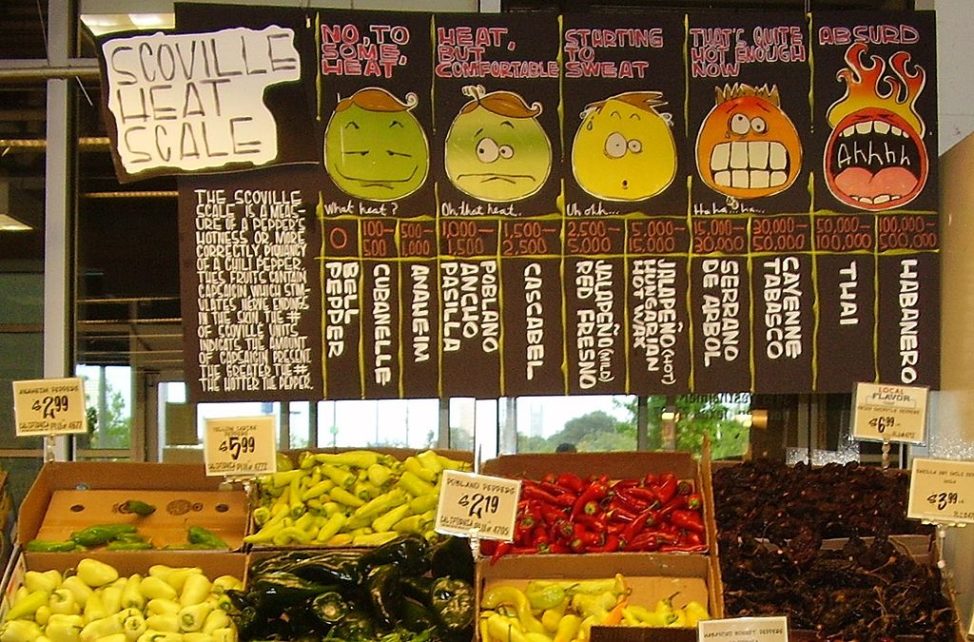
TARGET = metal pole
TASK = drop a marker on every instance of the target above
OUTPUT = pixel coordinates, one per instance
(59, 204)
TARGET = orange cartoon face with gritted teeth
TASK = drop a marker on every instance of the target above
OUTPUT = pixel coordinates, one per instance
(875, 158)
(747, 147)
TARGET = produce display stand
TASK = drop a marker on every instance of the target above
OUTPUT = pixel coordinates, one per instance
(68, 496)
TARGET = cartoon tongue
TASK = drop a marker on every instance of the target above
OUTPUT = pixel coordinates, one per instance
(891, 181)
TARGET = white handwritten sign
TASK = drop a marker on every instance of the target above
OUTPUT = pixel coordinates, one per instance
(744, 629)
(240, 446)
(886, 412)
(49, 407)
(194, 101)
(941, 491)
(477, 505)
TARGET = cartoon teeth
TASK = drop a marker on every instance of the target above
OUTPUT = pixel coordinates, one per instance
(871, 126)
(757, 164)
(879, 200)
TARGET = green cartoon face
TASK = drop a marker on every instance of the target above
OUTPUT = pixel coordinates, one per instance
(498, 157)
(375, 149)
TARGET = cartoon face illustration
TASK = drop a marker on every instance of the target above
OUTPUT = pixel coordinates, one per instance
(747, 147)
(496, 150)
(624, 149)
(375, 149)
(875, 158)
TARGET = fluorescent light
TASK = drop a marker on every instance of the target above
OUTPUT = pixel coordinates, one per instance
(10, 224)
(104, 23)
(151, 20)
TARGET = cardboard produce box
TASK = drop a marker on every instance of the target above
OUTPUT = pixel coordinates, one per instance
(649, 576)
(921, 548)
(617, 465)
(69, 496)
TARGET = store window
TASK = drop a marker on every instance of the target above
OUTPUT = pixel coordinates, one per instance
(108, 401)
(394, 423)
(587, 424)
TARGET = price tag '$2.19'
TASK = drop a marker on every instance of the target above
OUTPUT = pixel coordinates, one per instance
(477, 505)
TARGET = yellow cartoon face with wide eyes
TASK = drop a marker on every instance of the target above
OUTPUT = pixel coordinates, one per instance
(624, 149)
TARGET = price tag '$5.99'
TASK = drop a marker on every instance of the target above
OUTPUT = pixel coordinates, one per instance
(240, 446)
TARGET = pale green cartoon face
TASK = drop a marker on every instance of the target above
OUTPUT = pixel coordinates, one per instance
(376, 155)
(497, 158)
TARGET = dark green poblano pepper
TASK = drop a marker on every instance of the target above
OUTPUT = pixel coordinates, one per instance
(356, 625)
(385, 594)
(452, 601)
(329, 607)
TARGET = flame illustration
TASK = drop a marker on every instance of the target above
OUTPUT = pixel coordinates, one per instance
(864, 86)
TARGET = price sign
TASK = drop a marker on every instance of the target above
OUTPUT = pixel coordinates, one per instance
(49, 407)
(744, 629)
(477, 505)
(942, 491)
(240, 446)
(884, 412)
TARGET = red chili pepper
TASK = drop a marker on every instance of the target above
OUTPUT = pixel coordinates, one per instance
(563, 530)
(647, 495)
(617, 513)
(688, 519)
(558, 548)
(625, 483)
(650, 479)
(530, 491)
(571, 481)
(676, 503)
(666, 488)
(550, 478)
(539, 537)
(695, 501)
(503, 548)
(551, 514)
(595, 522)
(651, 541)
(682, 548)
(636, 526)
(610, 545)
(616, 528)
(595, 492)
(689, 538)
(627, 501)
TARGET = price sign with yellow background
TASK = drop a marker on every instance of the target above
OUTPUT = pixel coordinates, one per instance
(240, 446)
(44, 407)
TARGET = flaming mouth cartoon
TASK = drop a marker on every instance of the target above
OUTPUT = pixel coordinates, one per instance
(875, 158)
